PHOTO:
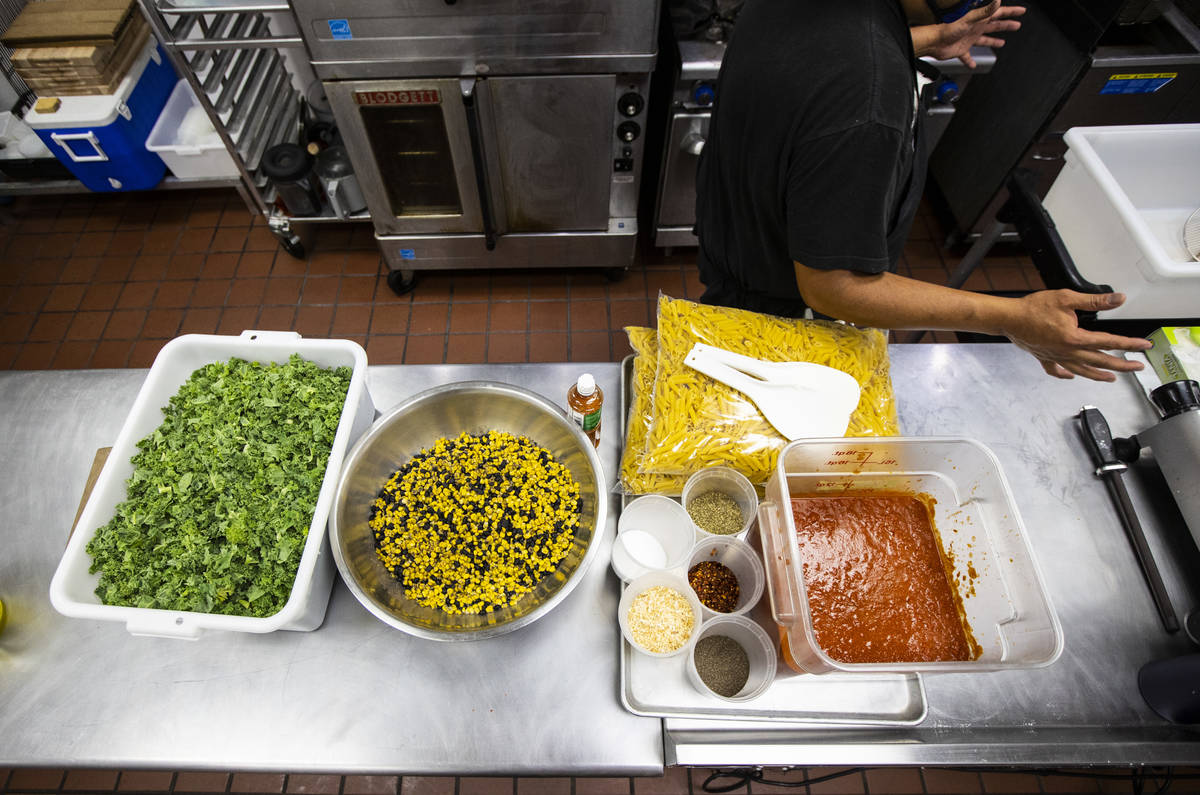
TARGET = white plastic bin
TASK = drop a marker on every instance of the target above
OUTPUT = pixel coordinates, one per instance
(72, 589)
(207, 158)
(1005, 600)
(1120, 204)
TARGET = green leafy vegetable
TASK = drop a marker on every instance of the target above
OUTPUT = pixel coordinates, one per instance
(223, 491)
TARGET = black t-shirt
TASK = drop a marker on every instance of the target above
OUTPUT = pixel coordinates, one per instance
(810, 153)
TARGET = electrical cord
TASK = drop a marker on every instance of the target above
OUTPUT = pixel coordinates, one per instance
(1139, 778)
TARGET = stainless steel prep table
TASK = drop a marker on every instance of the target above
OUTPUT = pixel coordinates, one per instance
(353, 696)
(357, 696)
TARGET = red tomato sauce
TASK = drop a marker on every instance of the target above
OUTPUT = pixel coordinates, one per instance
(877, 586)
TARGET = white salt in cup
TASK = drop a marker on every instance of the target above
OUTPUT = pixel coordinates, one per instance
(654, 533)
(759, 649)
(740, 558)
(650, 580)
(727, 481)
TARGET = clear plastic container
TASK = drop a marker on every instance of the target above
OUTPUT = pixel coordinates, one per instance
(650, 580)
(727, 481)
(759, 648)
(654, 533)
(1006, 605)
(740, 558)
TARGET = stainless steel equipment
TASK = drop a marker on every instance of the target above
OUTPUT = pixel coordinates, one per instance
(1175, 442)
(417, 424)
(337, 177)
(691, 111)
(491, 134)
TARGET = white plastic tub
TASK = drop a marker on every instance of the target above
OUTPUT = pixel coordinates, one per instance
(1120, 204)
(207, 158)
(72, 589)
(975, 517)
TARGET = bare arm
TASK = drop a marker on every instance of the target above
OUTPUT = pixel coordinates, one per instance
(1041, 323)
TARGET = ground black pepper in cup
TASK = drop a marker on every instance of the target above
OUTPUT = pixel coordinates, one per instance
(716, 586)
(722, 664)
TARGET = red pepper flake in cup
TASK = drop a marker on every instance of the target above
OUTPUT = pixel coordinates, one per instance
(716, 586)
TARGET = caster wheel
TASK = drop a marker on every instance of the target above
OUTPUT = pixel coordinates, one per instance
(293, 246)
(614, 274)
(401, 281)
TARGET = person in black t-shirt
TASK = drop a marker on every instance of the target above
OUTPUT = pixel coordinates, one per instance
(814, 166)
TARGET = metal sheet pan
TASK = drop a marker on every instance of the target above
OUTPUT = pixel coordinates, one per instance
(658, 687)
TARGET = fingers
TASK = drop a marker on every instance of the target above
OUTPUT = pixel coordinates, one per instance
(1052, 368)
(1107, 361)
(983, 12)
(1070, 368)
(1101, 341)
(999, 25)
(1095, 302)
(1093, 373)
(988, 41)
(1010, 11)
(967, 59)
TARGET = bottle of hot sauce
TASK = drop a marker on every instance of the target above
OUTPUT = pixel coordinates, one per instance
(584, 402)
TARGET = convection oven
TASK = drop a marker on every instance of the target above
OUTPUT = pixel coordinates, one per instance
(491, 133)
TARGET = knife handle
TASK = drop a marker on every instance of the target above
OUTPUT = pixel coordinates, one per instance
(1099, 440)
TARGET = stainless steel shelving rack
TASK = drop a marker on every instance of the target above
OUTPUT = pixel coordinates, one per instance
(235, 65)
(234, 62)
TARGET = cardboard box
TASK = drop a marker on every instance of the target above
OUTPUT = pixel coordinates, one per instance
(1176, 353)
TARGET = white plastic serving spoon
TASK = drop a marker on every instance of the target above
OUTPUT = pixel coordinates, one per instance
(800, 399)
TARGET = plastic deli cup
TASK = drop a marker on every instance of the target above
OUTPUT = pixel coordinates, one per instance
(713, 657)
(739, 558)
(654, 628)
(726, 481)
(654, 533)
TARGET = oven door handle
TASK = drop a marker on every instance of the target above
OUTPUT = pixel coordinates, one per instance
(473, 130)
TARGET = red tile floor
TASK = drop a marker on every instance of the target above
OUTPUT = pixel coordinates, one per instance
(105, 280)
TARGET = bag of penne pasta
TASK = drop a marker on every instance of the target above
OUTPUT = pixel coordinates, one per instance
(698, 422)
(632, 479)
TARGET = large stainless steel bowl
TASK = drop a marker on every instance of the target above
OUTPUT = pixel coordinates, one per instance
(445, 412)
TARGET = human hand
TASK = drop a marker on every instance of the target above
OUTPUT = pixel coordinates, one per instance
(1045, 326)
(976, 27)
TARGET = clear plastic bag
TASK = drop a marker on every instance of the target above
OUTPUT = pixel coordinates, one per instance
(698, 422)
(631, 479)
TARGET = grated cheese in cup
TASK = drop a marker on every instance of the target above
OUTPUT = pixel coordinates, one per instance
(660, 619)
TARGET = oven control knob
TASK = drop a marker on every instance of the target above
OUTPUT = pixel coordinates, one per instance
(628, 131)
(692, 143)
(631, 104)
(703, 94)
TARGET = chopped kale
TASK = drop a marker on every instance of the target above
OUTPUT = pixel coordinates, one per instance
(223, 491)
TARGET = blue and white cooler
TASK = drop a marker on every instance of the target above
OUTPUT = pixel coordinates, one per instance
(101, 138)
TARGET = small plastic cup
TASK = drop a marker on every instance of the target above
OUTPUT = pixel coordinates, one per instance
(740, 558)
(654, 533)
(650, 580)
(759, 649)
(727, 481)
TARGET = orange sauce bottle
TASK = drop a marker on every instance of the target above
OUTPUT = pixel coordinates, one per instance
(584, 401)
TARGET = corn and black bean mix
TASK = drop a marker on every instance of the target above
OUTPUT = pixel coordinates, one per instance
(472, 524)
